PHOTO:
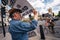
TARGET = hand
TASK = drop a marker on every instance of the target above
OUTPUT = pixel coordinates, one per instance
(35, 14)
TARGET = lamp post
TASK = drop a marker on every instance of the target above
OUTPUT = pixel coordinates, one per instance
(3, 14)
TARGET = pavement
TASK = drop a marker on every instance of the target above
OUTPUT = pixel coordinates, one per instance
(48, 36)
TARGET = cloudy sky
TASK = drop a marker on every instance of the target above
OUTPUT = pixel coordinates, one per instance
(43, 5)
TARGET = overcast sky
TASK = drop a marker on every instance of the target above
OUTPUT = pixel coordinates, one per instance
(43, 5)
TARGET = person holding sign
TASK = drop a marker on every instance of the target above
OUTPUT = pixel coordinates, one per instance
(17, 28)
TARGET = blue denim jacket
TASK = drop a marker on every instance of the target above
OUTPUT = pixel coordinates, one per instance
(19, 29)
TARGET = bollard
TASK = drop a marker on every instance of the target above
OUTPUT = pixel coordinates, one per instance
(42, 32)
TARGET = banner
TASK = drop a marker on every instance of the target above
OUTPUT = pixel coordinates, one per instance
(23, 5)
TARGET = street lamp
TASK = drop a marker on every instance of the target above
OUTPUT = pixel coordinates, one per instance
(3, 14)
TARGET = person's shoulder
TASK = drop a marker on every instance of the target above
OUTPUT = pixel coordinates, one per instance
(15, 22)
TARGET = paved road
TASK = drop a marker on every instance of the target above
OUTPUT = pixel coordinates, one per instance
(48, 36)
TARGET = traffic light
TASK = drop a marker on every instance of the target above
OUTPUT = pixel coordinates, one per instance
(3, 12)
(4, 2)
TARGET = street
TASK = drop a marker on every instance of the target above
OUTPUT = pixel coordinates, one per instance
(41, 10)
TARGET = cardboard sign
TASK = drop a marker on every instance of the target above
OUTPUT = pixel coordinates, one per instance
(24, 5)
(32, 34)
